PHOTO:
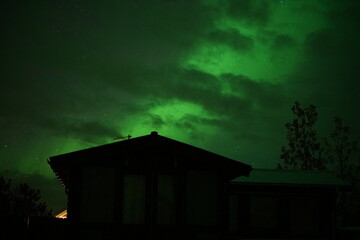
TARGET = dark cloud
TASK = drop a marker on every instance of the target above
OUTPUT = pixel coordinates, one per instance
(198, 79)
(154, 32)
(263, 94)
(282, 41)
(71, 107)
(346, 14)
(249, 106)
(210, 98)
(250, 12)
(156, 121)
(276, 40)
(191, 124)
(232, 38)
(91, 132)
(322, 44)
(329, 76)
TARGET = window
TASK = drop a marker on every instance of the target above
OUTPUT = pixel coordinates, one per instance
(134, 199)
(97, 195)
(201, 198)
(304, 216)
(264, 214)
(166, 200)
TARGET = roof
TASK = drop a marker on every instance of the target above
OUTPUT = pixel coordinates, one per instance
(150, 148)
(291, 177)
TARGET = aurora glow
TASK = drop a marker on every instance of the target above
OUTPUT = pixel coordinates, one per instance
(220, 75)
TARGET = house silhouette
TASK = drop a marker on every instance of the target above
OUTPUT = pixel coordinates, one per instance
(156, 187)
(285, 204)
(149, 186)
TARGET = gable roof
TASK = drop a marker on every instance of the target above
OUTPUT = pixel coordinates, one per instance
(150, 148)
(291, 178)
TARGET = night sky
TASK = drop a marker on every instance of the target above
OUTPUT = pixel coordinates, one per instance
(220, 75)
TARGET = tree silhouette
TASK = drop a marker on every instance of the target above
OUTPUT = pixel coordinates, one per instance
(303, 151)
(21, 201)
(5, 197)
(339, 149)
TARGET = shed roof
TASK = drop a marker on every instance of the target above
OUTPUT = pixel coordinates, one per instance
(151, 147)
(291, 177)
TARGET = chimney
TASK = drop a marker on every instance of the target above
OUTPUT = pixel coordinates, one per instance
(154, 133)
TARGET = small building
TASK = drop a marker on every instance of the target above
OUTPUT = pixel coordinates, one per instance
(276, 204)
(150, 186)
(156, 187)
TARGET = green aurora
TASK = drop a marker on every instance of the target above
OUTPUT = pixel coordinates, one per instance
(220, 75)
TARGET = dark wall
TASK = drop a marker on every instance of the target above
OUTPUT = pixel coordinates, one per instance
(281, 212)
